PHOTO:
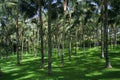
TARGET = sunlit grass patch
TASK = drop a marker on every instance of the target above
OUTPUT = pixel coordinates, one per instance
(81, 67)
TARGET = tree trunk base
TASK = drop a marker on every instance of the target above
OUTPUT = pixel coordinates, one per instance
(62, 65)
(108, 66)
(102, 56)
(18, 64)
(69, 59)
(63, 59)
(43, 66)
(0, 72)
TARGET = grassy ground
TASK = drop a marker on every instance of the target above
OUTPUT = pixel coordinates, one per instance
(84, 66)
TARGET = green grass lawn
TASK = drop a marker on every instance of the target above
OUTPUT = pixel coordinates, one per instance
(84, 66)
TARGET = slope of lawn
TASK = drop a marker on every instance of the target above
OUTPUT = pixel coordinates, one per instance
(84, 66)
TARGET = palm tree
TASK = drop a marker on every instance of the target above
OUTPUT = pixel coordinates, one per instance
(102, 33)
(63, 35)
(105, 24)
(12, 7)
(41, 33)
(49, 39)
(17, 35)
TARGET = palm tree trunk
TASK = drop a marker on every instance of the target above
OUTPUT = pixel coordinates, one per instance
(70, 38)
(17, 40)
(110, 39)
(108, 65)
(63, 35)
(76, 39)
(115, 35)
(57, 39)
(0, 72)
(102, 34)
(22, 47)
(41, 34)
(63, 52)
(83, 37)
(69, 49)
(49, 40)
(17, 37)
(22, 43)
(102, 42)
(58, 45)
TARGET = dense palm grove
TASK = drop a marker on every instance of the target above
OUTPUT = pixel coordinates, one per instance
(42, 27)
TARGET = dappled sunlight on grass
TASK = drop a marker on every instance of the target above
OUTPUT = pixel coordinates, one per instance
(10, 69)
(116, 59)
(30, 59)
(81, 67)
(95, 73)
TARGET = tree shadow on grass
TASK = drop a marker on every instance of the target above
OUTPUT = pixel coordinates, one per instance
(82, 67)
(110, 75)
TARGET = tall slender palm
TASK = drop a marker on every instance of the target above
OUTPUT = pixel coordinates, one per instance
(17, 35)
(49, 39)
(108, 65)
(41, 33)
(63, 35)
(102, 33)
